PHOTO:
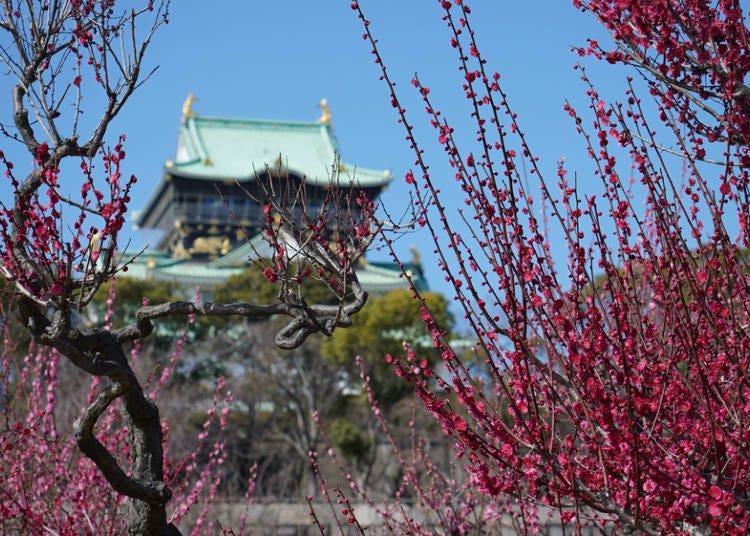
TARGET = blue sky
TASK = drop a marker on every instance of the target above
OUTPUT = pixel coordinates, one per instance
(277, 59)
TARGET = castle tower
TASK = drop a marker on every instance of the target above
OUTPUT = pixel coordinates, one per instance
(205, 201)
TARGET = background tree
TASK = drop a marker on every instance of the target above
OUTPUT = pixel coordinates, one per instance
(282, 390)
(628, 405)
(277, 393)
(129, 293)
(380, 329)
(252, 286)
(59, 231)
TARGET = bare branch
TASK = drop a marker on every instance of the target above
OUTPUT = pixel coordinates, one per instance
(83, 428)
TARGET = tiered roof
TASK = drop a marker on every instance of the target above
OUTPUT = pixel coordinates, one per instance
(239, 150)
(227, 151)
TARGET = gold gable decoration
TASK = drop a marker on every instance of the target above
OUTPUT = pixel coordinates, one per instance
(325, 116)
(187, 107)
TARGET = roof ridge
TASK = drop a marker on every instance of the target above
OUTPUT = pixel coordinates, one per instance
(256, 121)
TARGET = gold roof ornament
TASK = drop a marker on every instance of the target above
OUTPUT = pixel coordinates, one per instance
(415, 258)
(95, 241)
(325, 116)
(187, 107)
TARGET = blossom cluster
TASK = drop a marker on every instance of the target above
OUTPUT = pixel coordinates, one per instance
(612, 387)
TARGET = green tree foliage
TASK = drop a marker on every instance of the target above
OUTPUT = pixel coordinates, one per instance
(252, 286)
(349, 438)
(247, 286)
(380, 328)
(9, 316)
(130, 294)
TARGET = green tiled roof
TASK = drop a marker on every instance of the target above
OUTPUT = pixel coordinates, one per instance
(214, 148)
(375, 278)
(256, 248)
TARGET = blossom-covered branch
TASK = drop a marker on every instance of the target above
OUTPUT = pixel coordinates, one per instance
(614, 385)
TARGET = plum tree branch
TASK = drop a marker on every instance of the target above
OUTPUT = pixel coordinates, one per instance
(305, 319)
(83, 428)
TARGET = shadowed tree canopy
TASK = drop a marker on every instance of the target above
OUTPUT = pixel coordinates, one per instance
(252, 286)
(130, 295)
(380, 329)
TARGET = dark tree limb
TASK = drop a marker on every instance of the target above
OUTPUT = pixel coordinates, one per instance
(83, 428)
(305, 319)
(44, 47)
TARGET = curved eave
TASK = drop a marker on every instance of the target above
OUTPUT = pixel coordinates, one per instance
(143, 214)
(348, 175)
(359, 177)
(214, 148)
